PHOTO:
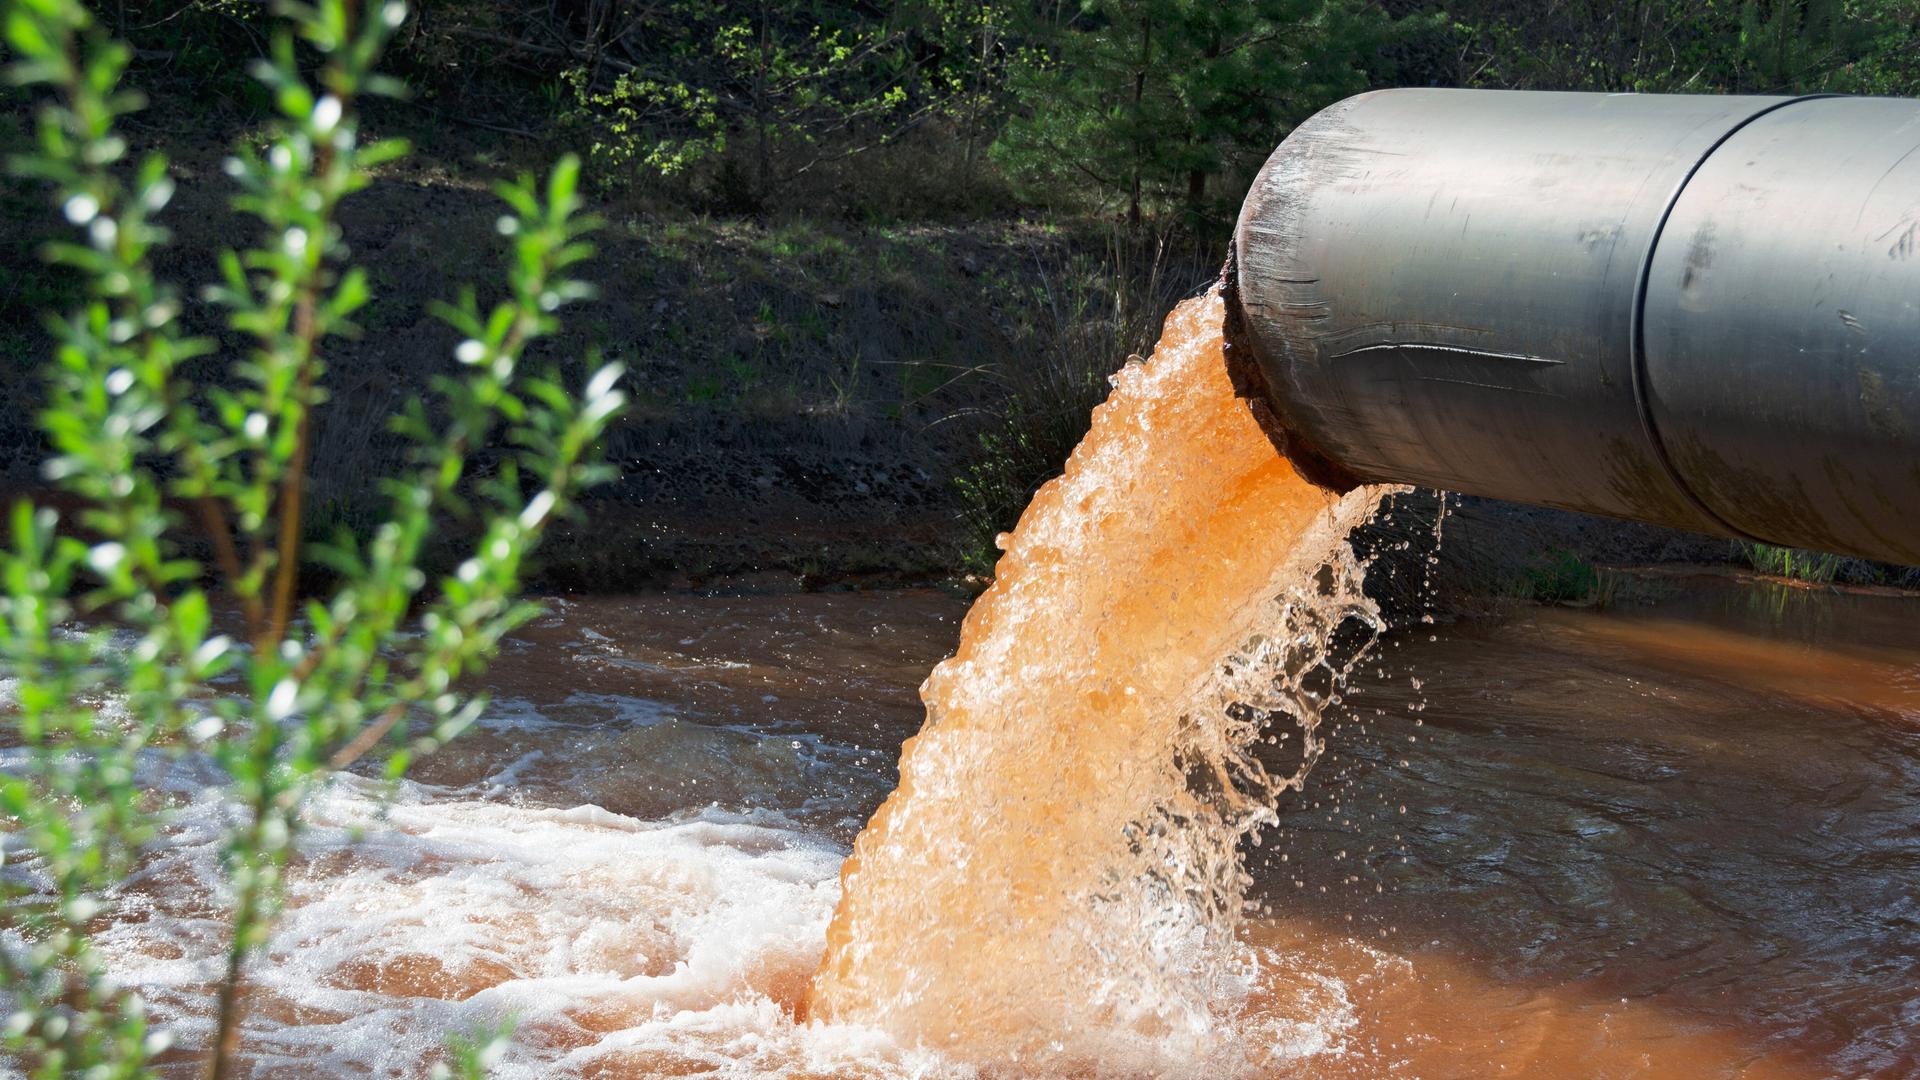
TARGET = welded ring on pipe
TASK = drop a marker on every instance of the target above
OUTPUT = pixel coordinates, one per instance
(1640, 393)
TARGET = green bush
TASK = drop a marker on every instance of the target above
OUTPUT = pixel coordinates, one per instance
(107, 603)
(1563, 577)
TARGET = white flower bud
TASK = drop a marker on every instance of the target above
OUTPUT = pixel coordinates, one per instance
(281, 701)
(603, 380)
(106, 558)
(326, 114)
(159, 195)
(537, 509)
(210, 650)
(81, 208)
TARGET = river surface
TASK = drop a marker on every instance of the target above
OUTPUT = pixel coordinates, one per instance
(1672, 839)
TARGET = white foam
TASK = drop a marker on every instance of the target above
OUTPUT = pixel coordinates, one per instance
(619, 943)
(609, 937)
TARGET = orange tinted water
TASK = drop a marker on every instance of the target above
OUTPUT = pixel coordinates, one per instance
(1057, 878)
(1679, 839)
(1596, 859)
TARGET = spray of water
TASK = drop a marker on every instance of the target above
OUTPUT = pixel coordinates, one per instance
(1057, 880)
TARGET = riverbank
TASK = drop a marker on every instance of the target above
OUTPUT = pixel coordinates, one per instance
(818, 403)
(809, 395)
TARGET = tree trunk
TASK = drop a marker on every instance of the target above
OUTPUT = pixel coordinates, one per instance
(974, 99)
(1139, 140)
(763, 158)
(1196, 175)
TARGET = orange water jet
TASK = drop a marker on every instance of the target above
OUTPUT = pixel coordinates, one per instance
(1057, 875)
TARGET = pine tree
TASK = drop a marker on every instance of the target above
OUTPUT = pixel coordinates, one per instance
(1153, 101)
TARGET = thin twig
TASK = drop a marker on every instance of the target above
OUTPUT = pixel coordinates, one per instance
(294, 489)
(368, 737)
(542, 50)
(471, 122)
(213, 517)
(227, 1024)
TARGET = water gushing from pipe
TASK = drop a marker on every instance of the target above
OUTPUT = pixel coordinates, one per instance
(1058, 877)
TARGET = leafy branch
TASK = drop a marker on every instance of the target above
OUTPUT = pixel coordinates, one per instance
(108, 624)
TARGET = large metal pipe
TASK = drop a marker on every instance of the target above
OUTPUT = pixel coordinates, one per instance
(1696, 311)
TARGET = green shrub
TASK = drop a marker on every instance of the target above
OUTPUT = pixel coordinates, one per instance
(1563, 577)
(107, 604)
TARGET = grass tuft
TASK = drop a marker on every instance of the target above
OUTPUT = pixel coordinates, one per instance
(1817, 567)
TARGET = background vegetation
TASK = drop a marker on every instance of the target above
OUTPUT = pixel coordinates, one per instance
(109, 628)
(869, 262)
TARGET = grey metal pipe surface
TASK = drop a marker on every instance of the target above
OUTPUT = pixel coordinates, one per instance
(1695, 311)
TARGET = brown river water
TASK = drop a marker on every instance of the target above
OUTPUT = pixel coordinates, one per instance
(1672, 840)
(1678, 838)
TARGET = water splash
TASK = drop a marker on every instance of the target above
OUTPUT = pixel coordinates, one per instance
(1057, 879)
(623, 946)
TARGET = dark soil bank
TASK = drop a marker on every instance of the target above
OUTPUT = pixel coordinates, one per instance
(805, 393)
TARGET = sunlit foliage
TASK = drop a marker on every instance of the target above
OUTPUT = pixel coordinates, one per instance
(125, 651)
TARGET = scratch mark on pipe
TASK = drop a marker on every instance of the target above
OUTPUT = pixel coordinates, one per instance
(1484, 354)
(1902, 248)
(1489, 386)
(1897, 162)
